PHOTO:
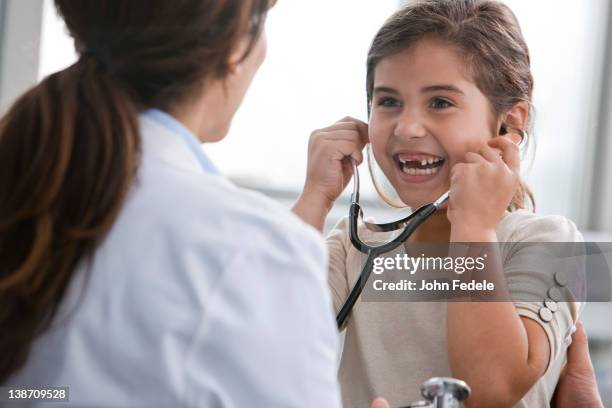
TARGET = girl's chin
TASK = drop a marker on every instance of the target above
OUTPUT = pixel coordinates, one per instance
(416, 202)
(417, 194)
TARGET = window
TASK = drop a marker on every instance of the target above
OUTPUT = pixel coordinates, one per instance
(315, 75)
(566, 39)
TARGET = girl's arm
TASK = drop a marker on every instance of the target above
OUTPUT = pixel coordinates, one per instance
(312, 207)
(498, 353)
(329, 169)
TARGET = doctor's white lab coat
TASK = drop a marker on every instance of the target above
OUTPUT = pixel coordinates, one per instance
(201, 295)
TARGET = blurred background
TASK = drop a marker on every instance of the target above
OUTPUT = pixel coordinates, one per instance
(315, 75)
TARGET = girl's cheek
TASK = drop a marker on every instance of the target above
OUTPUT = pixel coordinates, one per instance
(376, 129)
(379, 139)
(380, 155)
(458, 144)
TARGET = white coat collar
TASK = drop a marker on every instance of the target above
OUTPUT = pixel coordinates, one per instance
(165, 138)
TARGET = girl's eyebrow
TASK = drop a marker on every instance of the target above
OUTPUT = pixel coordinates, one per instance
(442, 87)
(430, 88)
(385, 89)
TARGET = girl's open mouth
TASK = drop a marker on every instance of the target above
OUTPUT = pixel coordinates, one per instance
(417, 168)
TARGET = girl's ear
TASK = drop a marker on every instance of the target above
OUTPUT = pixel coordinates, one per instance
(517, 117)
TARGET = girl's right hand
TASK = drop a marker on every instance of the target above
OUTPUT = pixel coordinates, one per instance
(329, 153)
(329, 168)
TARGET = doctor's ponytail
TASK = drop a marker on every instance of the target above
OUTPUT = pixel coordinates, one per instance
(69, 150)
(69, 147)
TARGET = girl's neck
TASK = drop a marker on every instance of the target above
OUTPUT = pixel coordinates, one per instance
(436, 228)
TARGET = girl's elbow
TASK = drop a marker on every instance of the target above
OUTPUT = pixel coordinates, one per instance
(489, 396)
(500, 391)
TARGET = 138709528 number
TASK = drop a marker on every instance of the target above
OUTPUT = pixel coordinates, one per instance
(34, 394)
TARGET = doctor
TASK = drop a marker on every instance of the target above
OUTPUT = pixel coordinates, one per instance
(131, 271)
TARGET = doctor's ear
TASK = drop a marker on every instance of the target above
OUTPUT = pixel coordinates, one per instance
(236, 56)
(239, 54)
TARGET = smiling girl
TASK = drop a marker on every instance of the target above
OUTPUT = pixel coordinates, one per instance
(444, 80)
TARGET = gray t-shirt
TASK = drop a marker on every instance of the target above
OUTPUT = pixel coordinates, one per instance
(391, 348)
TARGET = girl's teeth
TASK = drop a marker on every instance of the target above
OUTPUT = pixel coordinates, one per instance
(421, 172)
(423, 162)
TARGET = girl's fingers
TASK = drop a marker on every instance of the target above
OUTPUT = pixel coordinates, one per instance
(471, 157)
(347, 141)
(491, 154)
(356, 124)
(341, 126)
(343, 149)
(348, 135)
(345, 138)
(510, 151)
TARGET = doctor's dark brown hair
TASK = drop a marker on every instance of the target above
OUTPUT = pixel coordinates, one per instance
(488, 36)
(69, 147)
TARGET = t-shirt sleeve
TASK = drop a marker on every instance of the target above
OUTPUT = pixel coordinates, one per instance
(337, 277)
(544, 256)
(267, 337)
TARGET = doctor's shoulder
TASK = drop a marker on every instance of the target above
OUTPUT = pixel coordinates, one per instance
(523, 225)
(206, 210)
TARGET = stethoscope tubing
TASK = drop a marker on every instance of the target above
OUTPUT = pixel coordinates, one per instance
(415, 220)
(410, 224)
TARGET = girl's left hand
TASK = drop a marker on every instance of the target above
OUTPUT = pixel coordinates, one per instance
(483, 186)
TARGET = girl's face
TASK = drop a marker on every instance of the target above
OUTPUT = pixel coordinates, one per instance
(426, 115)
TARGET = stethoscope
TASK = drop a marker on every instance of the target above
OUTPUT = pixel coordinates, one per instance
(409, 224)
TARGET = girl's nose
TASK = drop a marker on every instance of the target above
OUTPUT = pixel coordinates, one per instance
(409, 127)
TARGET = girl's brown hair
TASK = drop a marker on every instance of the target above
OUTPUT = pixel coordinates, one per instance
(69, 147)
(489, 37)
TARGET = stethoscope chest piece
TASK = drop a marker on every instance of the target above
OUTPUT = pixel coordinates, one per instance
(442, 392)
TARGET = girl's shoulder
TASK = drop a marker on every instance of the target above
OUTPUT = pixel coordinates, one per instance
(526, 226)
(517, 226)
(339, 233)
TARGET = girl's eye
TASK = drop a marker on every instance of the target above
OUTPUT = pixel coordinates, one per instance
(439, 103)
(388, 102)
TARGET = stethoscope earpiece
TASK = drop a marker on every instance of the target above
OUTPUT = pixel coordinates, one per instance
(504, 130)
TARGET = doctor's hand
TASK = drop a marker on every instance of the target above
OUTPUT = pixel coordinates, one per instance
(481, 189)
(380, 403)
(577, 386)
(329, 167)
